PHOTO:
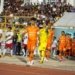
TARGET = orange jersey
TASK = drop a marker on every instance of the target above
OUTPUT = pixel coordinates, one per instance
(50, 37)
(32, 37)
(50, 34)
(73, 44)
(68, 43)
(32, 32)
(62, 43)
(73, 47)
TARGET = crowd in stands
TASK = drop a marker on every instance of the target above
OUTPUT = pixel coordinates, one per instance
(44, 11)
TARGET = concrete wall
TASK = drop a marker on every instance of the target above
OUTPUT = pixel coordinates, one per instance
(26, 1)
(58, 31)
(1, 5)
(36, 1)
(72, 2)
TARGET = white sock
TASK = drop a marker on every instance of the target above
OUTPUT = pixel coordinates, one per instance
(11, 52)
(0, 51)
(23, 52)
(4, 51)
(27, 53)
(32, 62)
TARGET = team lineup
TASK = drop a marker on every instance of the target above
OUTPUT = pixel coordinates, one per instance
(31, 37)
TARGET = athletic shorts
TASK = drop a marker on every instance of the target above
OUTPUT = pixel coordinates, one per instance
(9, 45)
(31, 45)
(42, 46)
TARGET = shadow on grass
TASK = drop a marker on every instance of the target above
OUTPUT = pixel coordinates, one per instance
(22, 59)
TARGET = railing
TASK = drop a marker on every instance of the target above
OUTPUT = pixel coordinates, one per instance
(6, 21)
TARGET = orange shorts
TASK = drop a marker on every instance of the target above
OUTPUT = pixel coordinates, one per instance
(73, 50)
(62, 48)
(49, 45)
(9, 45)
(31, 45)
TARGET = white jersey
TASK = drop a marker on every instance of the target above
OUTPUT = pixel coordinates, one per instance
(1, 31)
(25, 38)
(9, 37)
(54, 44)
